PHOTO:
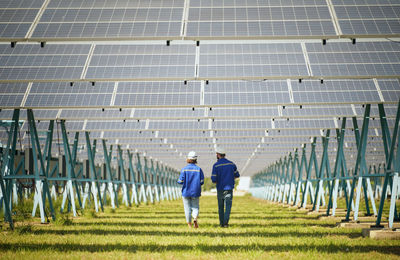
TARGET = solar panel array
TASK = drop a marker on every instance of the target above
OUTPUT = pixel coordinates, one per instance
(164, 77)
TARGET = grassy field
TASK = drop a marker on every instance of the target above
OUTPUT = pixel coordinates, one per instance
(257, 230)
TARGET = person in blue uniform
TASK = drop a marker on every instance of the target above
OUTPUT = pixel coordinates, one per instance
(191, 178)
(223, 174)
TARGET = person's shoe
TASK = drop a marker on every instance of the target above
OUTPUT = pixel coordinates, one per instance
(196, 225)
(189, 225)
(226, 226)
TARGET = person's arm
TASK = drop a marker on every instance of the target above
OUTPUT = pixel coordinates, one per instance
(214, 175)
(181, 179)
(201, 177)
(236, 172)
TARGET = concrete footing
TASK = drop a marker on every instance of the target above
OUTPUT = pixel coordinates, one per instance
(364, 225)
(376, 233)
(316, 213)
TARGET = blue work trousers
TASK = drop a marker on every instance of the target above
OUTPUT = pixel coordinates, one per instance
(224, 206)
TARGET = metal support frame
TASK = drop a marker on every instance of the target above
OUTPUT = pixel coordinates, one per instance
(133, 182)
(125, 190)
(70, 158)
(46, 172)
(277, 181)
(392, 166)
(139, 168)
(110, 179)
(42, 186)
(154, 181)
(7, 166)
(95, 188)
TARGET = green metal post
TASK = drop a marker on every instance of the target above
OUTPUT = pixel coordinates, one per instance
(308, 178)
(133, 178)
(124, 186)
(360, 153)
(6, 200)
(40, 176)
(320, 174)
(338, 166)
(389, 157)
(107, 159)
(94, 176)
(70, 168)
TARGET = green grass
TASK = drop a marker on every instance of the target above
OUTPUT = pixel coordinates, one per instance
(257, 230)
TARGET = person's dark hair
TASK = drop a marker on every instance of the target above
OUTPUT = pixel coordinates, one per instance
(222, 155)
(191, 161)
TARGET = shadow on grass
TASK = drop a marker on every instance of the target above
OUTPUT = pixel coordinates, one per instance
(181, 215)
(179, 221)
(188, 233)
(206, 248)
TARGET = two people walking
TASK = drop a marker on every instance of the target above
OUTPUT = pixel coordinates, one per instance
(223, 174)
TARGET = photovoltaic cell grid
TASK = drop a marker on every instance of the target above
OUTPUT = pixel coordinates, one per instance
(259, 19)
(343, 110)
(252, 60)
(368, 17)
(142, 61)
(109, 19)
(55, 62)
(153, 94)
(174, 93)
(216, 61)
(246, 92)
(237, 112)
(335, 91)
(364, 59)
(61, 94)
(202, 19)
(390, 90)
(16, 17)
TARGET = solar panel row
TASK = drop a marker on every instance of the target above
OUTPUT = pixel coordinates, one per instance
(222, 19)
(215, 61)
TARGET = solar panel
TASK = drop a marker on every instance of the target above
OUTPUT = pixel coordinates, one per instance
(236, 112)
(252, 61)
(132, 134)
(13, 88)
(30, 62)
(111, 19)
(68, 100)
(361, 59)
(335, 91)
(242, 124)
(305, 123)
(318, 111)
(219, 19)
(168, 113)
(66, 88)
(12, 100)
(16, 17)
(94, 113)
(115, 125)
(61, 94)
(390, 90)
(368, 17)
(178, 124)
(142, 61)
(158, 94)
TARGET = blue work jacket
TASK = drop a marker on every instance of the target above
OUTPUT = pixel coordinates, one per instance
(191, 178)
(224, 173)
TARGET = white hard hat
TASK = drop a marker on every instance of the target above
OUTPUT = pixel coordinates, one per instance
(220, 150)
(192, 155)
